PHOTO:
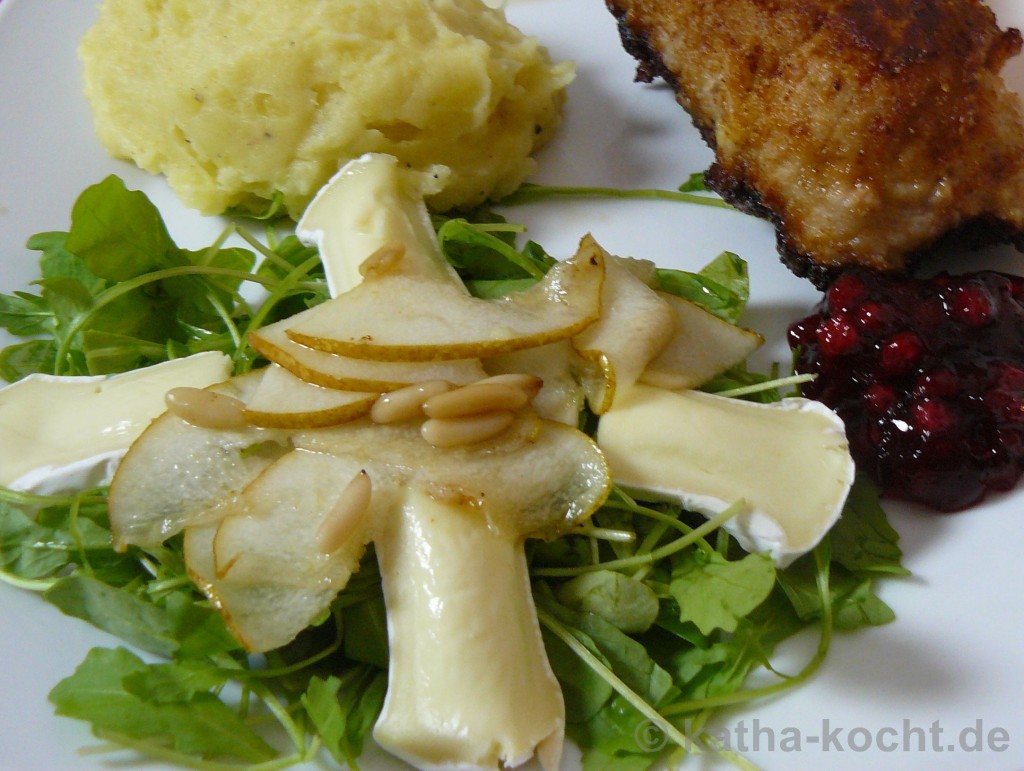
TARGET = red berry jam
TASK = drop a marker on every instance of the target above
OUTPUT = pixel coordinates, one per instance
(928, 375)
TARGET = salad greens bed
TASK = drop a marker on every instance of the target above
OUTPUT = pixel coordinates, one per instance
(654, 619)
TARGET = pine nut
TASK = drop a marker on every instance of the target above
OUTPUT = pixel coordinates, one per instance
(206, 409)
(382, 260)
(474, 399)
(406, 403)
(348, 512)
(531, 384)
(468, 429)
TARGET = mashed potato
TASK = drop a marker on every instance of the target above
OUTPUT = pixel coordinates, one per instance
(237, 101)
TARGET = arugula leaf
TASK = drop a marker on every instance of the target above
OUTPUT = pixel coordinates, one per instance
(25, 314)
(122, 613)
(630, 605)
(695, 183)
(585, 692)
(721, 287)
(118, 233)
(171, 682)
(715, 593)
(116, 693)
(366, 631)
(854, 602)
(488, 252)
(344, 709)
(62, 536)
(862, 539)
(625, 656)
(117, 293)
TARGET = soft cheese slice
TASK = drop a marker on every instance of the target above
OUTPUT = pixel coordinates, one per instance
(469, 684)
(371, 203)
(70, 432)
(789, 461)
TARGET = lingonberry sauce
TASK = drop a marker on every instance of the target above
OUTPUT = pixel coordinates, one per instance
(928, 375)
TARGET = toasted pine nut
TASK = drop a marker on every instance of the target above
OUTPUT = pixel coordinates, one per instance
(382, 260)
(406, 403)
(206, 409)
(468, 429)
(348, 512)
(474, 399)
(531, 384)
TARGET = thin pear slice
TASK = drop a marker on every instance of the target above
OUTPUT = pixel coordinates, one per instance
(397, 317)
(789, 461)
(371, 204)
(283, 400)
(469, 683)
(176, 474)
(561, 396)
(70, 432)
(272, 573)
(518, 478)
(274, 526)
(635, 326)
(702, 347)
(343, 372)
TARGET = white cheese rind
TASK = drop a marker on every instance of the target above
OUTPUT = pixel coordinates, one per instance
(66, 433)
(789, 461)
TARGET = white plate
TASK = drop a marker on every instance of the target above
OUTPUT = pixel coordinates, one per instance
(902, 696)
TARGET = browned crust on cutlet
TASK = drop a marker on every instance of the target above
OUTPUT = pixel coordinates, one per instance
(936, 50)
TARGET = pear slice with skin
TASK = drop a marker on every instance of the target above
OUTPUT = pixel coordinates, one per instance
(176, 473)
(343, 372)
(635, 326)
(561, 396)
(702, 347)
(398, 317)
(789, 461)
(283, 400)
(516, 478)
(270, 574)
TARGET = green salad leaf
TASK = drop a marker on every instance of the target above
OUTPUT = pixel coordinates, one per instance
(116, 293)
(114, 690)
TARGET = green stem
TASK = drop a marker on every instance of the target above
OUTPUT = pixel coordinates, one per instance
(605, 534)
(629, 505)
(639, 560)
(292, 281)
(635, 700)
(306, 662)
(29, 584)
(161, 752)
(34, 500)
(768, 385)
(531, 193)
(122, 288)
